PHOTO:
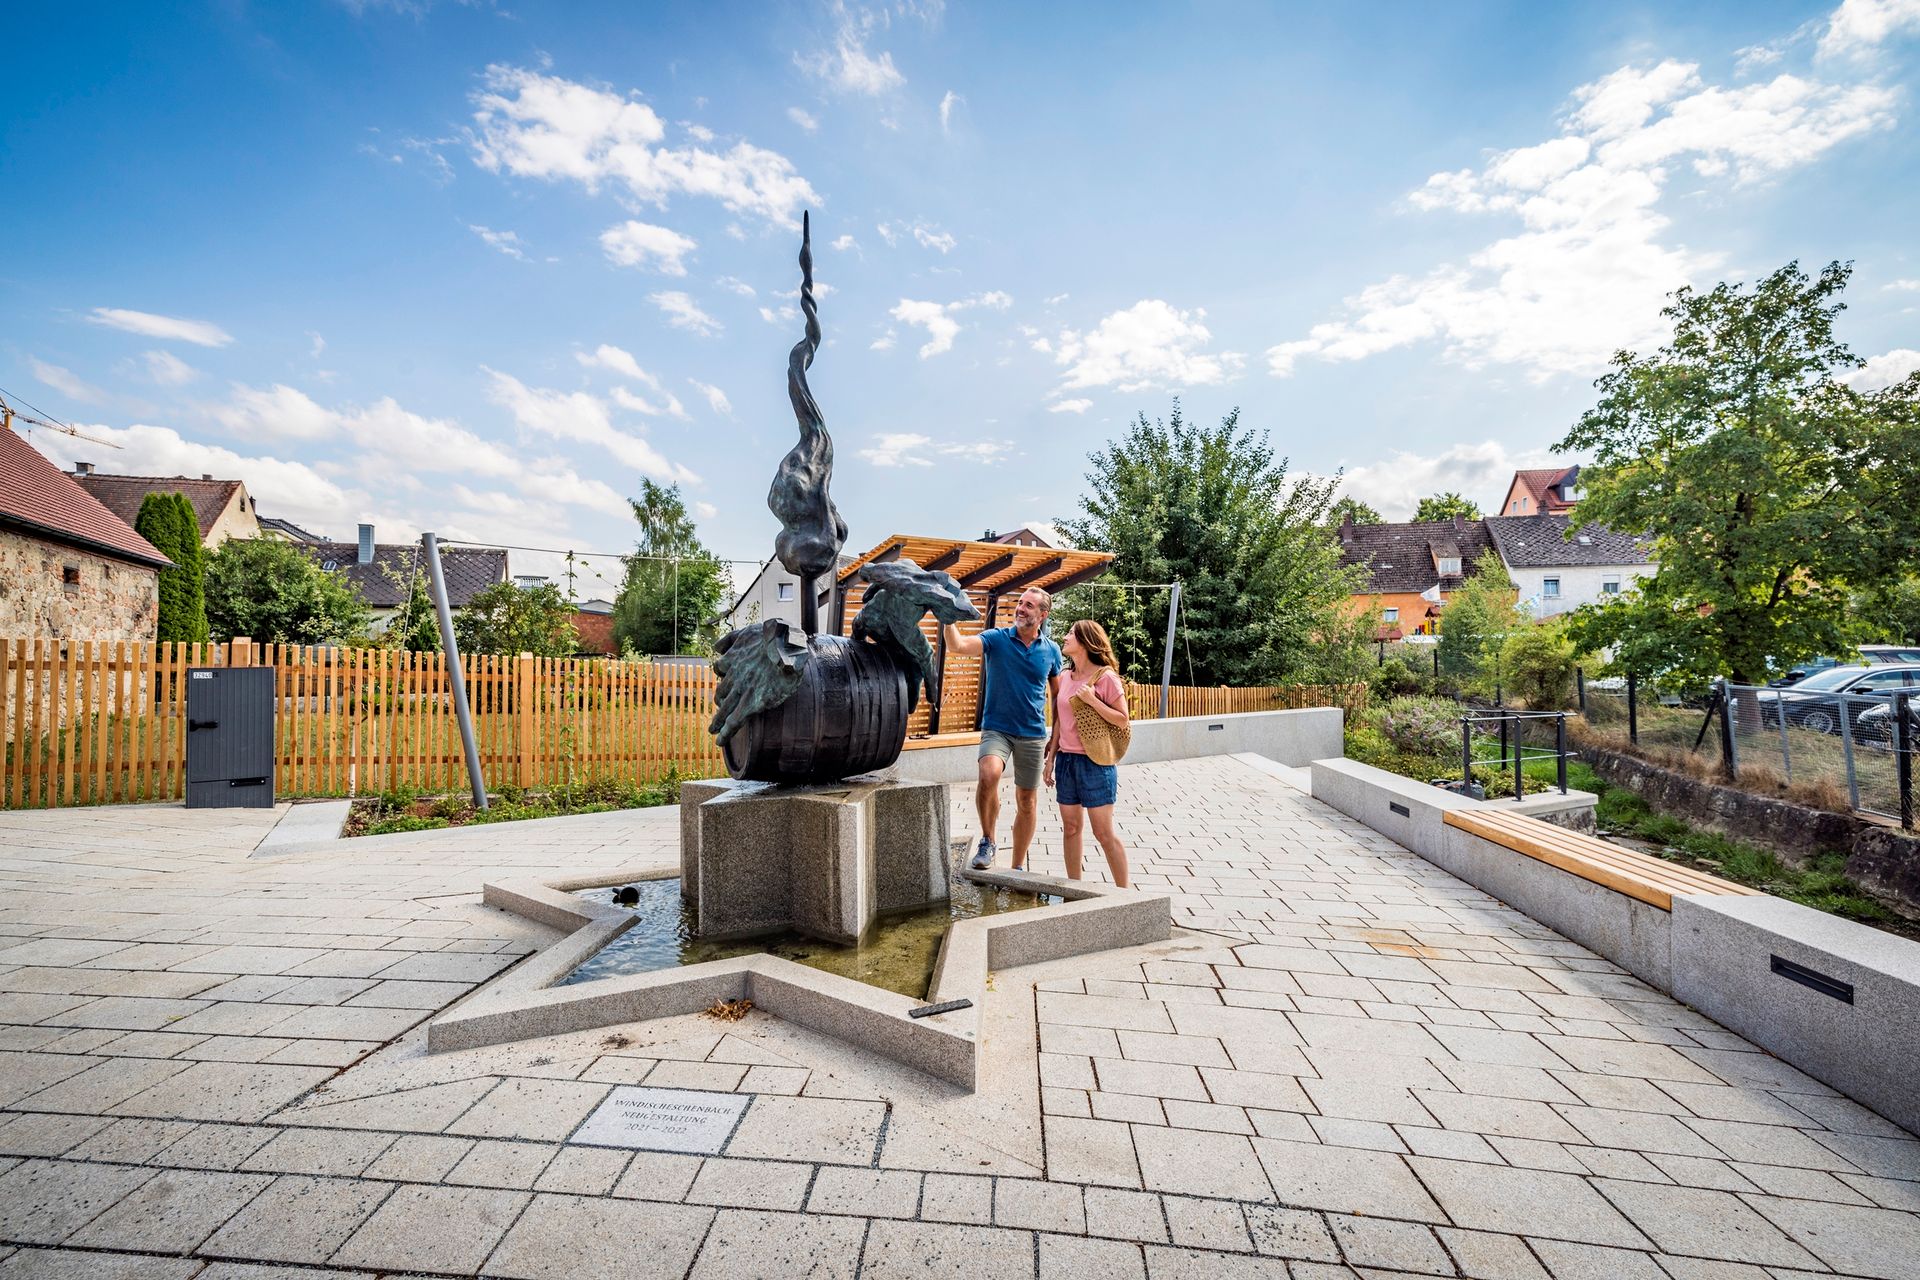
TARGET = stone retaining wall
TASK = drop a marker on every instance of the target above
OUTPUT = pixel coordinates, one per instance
(1885, 862)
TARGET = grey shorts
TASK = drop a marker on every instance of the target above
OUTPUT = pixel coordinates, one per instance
(1027, 754)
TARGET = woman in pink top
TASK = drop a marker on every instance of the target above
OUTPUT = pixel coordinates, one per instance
(1087, 789)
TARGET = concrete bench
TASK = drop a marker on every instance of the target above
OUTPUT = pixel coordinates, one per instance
(1638, 875)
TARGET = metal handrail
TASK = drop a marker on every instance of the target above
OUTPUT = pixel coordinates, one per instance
(1508, 721)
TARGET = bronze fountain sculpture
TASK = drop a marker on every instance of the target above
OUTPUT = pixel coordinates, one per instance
(822, 707)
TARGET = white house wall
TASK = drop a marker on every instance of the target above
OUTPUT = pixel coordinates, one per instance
(1579, 584)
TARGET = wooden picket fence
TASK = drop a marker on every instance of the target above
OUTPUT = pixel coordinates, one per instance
(105, 722)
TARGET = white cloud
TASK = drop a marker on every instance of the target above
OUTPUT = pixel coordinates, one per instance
(278, 412)
(1070, 406)
(882, 343)
(937, 319)
(705, 510)
(1861, 26)
(887, 233)
(606, 356)
(1884, 370)
(785, 313)
(292, 490)
(932, 239)
(947, 104)
(317, 345)
(1151, 343)
(173, 328)
(580, 417)
(1587, 272)
(731, 285)
(804, 119)
(1902, 286)
(507, 242)
(716, 398)
(844, 243)
(909, 449)
(683, 312)
(1395, 485)
(66, 381)
(847, 66)
(537, 126)
(636, 244)
(168, 369)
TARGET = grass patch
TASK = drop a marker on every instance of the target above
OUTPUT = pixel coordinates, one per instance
(394, 812)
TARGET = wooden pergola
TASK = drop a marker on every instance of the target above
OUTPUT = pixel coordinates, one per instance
(994, 574)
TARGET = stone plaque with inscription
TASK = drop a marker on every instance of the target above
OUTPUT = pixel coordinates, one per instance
(684, 1120)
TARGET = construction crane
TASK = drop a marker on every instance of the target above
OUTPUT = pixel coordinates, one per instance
(7, 415)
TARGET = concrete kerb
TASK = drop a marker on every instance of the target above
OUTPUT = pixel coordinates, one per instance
(524, 1004)
(1835, 999)
(314, 824)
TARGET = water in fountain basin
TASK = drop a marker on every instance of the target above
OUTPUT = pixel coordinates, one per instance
(898, 953)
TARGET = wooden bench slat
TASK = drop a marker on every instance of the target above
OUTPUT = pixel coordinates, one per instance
(1640, 876)
(1594, 847)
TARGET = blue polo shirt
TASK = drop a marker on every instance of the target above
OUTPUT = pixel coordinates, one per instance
(1014, 700)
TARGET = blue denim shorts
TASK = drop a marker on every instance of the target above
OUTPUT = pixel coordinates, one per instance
(1083, 782)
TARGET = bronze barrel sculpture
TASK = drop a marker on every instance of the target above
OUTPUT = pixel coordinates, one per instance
(848, 716)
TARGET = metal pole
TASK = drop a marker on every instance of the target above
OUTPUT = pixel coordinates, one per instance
(1903, 754)
(1519, 780)
(1786, 752)
(1846, 743)
(1633, 709)
(1166, 665)
(1466, 755)
(452, 650)
(1560, 746)
(1727, 748)
(1580, 682)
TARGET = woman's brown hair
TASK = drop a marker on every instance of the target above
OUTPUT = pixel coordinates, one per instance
(1093, 638)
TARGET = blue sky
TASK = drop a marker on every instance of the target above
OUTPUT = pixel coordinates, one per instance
(478, 268)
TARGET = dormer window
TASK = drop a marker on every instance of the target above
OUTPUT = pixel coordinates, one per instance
(1449, 566)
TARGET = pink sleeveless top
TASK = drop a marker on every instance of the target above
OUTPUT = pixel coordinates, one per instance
(1107, 688)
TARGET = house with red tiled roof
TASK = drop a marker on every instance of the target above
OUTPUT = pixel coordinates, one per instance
(1545, 491)
(223, 507)
(70, 569)
(1412, 566)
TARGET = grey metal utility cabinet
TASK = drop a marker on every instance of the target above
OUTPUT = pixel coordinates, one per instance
(230, 737)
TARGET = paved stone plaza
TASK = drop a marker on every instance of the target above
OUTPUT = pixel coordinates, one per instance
(213, 1067)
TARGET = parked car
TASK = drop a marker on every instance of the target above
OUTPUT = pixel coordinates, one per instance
(1815, 702)
(1801, 670)
(1882, 653)
(1874, 727)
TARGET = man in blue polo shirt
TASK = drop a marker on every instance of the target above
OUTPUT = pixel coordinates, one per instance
(1019, 674)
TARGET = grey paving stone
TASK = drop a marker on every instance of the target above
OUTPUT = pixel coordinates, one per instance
(954, 1197)
(62, 1264)
(1291, 1233)
(172, 1212)
(1708, 1224)
(433, 1228)
(1570, 1261)
(1482, 1255)
(1638, 1131)
(565, 1237)
(1071, 1257)
(1344, 1180)
(1038, 1206)
(419, 1158)
(297, 1219)
(1207, 1224)
(1508, 1117)
(37, 1134)
(1526, 1202)
(1200, 1164)
(1879, 1243)
(869, 1193)
(1165, 1262)
(743, 1245)
(940, 1251)
(658, 1175)
(1123, 1215)
(542, 1110)
(1770, 1144)
(750, 1184)
(1090, 1151)
(216, 1146)
(513, 1166)
(1395, 1246)
(318, 1151)
(822, 1130)
(225, 1091)
(45, 1201)
(587, 1171)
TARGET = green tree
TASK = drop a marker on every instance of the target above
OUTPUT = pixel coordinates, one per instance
(1890, 614)
(1214, 509)
(167, 520)
(1536, 666)
(1445, 506)
(1476, 621)
(1770, 489)
(273, 592)
(505, 618)
(415, 626)
(1350, 506)
(670, 598)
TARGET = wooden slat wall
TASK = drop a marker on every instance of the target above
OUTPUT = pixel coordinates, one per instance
(93, 723)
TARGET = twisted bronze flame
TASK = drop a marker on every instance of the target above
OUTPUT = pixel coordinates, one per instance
(811, 531)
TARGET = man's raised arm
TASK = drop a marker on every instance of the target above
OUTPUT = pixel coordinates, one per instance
(966, 646)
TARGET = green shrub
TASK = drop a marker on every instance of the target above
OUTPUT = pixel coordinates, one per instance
(1537, 666)
(1397, 678)
(406, 822)
(1421, 726)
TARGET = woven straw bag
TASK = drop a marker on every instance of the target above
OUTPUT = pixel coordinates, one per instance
(1106, 743)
